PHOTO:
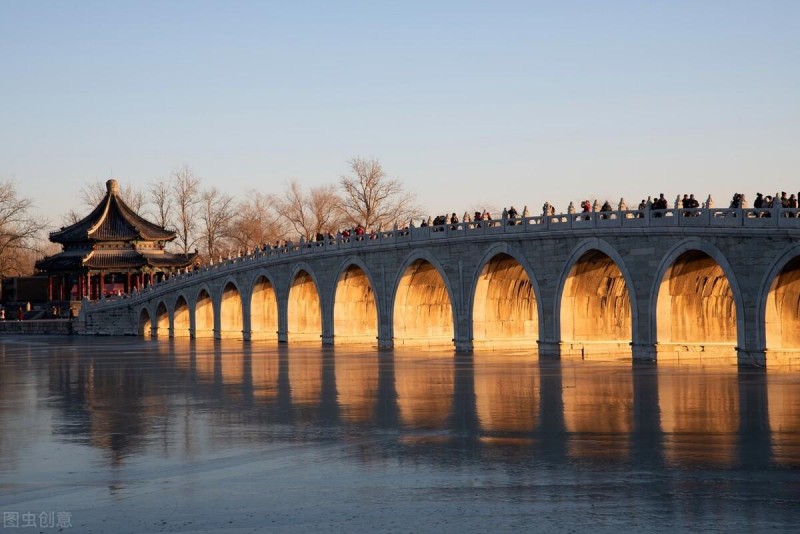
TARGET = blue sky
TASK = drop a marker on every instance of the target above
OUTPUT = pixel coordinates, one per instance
(469, 103)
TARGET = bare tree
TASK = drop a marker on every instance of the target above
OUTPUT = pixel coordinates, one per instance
(325, 204)
(92, 193)
(19, 232)
(71, 217)
(187, 197)
(373, 199)
(160, 202)
(216, 212)
(310, 213)
(256, 222)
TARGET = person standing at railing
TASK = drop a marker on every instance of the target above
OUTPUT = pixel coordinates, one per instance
(512, 215)
(586, 208)
(605, 209)
(454, 221)
(659, 205)
(758, 204)
(694, 204)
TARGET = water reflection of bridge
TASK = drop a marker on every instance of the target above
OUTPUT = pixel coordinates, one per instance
(722, 283)
(673, 414)
(121, 418)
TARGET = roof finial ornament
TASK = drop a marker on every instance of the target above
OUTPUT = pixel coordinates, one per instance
(112, 186)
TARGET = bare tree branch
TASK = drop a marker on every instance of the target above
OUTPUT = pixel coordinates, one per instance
(310, 213)
(373, 199)
(216, 212)
(160, 201)
(186, 195)
(92, 193)
(256, 222)
(20, 232)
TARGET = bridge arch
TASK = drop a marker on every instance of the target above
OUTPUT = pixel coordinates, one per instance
(355, 304)
(145, 324)
(303, 306)
(263, 308)
(161, 320)
(204, 313)
(180, 317)
(596, 309)
(231, 311)
(423, 309)
(504, 301)
(779, 304)
(696, 303)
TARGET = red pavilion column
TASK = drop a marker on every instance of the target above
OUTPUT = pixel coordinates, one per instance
(102, 287)
(49, 287)
(80, 287)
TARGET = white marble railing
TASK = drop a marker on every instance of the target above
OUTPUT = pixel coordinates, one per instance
(678, 217)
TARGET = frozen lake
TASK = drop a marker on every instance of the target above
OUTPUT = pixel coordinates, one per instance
(128, 435)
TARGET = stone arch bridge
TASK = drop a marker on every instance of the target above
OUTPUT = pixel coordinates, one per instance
(680, 284)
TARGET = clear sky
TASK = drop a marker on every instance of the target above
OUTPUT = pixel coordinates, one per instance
(469, 103)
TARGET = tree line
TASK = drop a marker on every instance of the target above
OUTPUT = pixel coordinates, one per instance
(216, 223)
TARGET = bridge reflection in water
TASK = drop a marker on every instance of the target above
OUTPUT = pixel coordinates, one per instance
(670, 415)
(722, 440)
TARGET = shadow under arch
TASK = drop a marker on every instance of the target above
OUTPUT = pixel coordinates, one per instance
(263, 307)
(355, 305)
(203, 313)
(504, 308)
(162, 320)
(423, 313)
(696, 263)
(595, 278)
(779, 307)
(303, 307)
(231, 311)
(180, 317)
(145, 325)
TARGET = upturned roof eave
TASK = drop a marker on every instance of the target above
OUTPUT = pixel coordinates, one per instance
(83, 230)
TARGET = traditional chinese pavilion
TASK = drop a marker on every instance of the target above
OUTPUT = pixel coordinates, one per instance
(111, 251)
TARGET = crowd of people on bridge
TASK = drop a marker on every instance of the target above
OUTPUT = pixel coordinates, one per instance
(656, 206)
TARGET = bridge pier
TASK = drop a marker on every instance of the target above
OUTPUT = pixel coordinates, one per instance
(463, 345)
(385, 342)
(327, 339)
(549, 349)
(751, 357)
(644, 352)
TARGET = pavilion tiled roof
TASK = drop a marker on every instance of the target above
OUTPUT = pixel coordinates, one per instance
(114, 259)
(112, 220)
(63, 261)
